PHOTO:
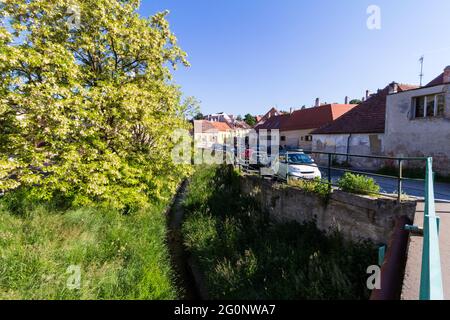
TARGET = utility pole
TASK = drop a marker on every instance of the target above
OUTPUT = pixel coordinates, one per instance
(421, 69)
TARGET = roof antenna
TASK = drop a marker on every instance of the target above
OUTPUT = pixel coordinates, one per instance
(421, 69)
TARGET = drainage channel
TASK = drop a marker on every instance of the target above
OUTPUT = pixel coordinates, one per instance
(179, 256)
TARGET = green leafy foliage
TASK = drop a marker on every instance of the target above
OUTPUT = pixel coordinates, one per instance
(317, 186)
(359, 184)
(244, 255)
(250, 120)
(88, 112)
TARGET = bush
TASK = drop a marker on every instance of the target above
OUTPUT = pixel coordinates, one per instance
(358, 184)
(317, 186)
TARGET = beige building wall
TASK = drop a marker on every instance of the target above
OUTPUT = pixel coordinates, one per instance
(296, 138)
(425, 137)
(357, 144)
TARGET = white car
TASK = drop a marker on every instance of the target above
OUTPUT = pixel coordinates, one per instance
(297, 165)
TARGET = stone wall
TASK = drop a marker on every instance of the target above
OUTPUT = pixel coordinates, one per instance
(356, 217)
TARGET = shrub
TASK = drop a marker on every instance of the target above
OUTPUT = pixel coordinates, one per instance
(316, 186)
(358, 184)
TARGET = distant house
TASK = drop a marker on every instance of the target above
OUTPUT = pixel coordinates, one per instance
(236, 127)
(273, 112)
(360, 131)
(207, 133)
(418, 122)
(220, 117)
(295, 128)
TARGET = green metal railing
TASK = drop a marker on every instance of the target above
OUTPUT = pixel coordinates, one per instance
(431, 275)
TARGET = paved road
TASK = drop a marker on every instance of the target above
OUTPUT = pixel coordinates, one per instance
(412, 188)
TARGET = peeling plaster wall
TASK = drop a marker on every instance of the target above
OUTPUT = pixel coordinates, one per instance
(293, 138)
(360, 144)
(410, 137)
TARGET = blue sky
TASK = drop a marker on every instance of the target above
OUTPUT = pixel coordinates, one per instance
(249, 55)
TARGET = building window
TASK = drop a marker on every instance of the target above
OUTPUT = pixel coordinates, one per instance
(429, 106)
(440, 105)
(419, 103)
(283, 138)
(308, 138)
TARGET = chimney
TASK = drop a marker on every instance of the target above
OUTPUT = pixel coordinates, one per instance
(367, 94)
(290, 111)
(393, 88)
(346, 99)
(317, 102)
(447, 74)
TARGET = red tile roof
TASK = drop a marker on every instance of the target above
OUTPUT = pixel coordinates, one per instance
(437, 81)
(312, 118)
(208, 126)
(367, 117)
(241, 125)
(220, 126)
(275, 122)
(406, 87)
(309, 118)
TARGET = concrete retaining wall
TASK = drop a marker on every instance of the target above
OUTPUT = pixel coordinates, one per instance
(356, 217)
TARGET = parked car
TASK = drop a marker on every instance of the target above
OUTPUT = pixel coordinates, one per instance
(255, 159)
(218, 147)
(297, 165)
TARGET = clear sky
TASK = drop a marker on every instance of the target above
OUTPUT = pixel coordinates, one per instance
(249, 55)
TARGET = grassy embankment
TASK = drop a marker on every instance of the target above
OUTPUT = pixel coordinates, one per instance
(246, 256)
(119, 256)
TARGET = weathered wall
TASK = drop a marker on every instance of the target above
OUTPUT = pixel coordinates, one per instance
(406, 136)
(361, 144)
(293, 138)
(356, 217)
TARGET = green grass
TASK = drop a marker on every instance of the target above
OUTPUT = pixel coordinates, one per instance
(358, 184)
(244, 255)
(120, 256)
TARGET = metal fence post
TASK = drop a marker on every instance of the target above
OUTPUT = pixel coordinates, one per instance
(329, 168)
(400, 177)
(287, 166)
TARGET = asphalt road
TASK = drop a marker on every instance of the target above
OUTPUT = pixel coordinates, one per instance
(412, 188)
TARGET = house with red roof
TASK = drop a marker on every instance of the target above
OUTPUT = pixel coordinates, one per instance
(295, 128)
(273, 112)
(418, 122)
(360, 131)
(207, 133)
